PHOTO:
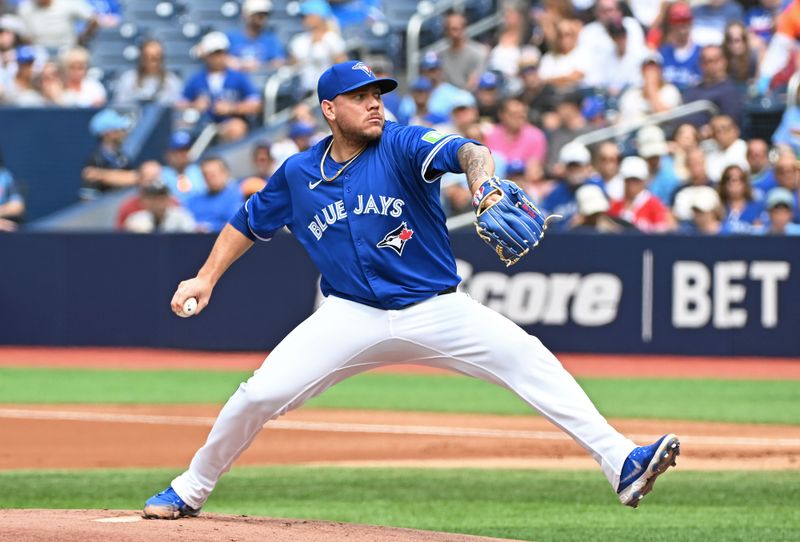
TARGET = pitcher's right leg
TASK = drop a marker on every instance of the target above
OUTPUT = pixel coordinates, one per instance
(314, 356)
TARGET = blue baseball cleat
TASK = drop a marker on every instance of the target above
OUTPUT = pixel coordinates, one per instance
(167, 505)
(643, 466)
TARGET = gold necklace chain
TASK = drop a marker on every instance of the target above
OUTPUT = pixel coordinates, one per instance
(325, 155)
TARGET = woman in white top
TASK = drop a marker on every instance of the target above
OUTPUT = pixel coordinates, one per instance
(150, 81)
(562, 67)
(504, 57)
(319, 46)
(78, 88)
(654, 95)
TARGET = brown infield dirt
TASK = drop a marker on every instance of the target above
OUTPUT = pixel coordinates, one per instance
(113, 436)
(126, 526)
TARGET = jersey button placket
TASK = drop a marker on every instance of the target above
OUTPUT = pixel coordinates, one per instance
(355, 232)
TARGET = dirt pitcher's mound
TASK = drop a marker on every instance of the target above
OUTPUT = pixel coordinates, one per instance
(128, 526)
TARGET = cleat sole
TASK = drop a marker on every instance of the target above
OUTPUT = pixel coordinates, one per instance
(162, 512)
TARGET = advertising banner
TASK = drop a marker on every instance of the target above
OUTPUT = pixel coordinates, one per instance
(577, 293)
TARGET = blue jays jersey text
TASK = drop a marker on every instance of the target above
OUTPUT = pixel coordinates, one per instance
(377, 232)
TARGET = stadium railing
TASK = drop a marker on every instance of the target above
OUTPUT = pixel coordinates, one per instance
(618, 131)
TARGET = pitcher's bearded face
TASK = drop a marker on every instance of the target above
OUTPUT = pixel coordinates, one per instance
(359, 114)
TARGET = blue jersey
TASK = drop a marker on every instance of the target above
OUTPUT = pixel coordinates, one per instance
(561, 201)
(212, 211)
(683, 71)
(186, 185)
(763, 183)
(742, 221)
(665, 181)
(236, 87)
(377, 232)
(265, 47)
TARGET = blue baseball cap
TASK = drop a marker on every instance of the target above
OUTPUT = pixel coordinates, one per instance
(346, 76)
(422, 84)
(316, 7)
(780, 196)
(301, 129)
(26, 54)
(463, 99)
(488, 80)
(106, 121)
(593, 107)
(430, 61)
(180, 140)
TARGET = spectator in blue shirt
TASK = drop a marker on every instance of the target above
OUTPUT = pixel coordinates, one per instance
(442, 93)
(716, 87)
(762, 177)
(781, 205)
(681, 56)
(182, 177)
(12, 204)
(255, 47)
(222, 95)
(652, 146)
(577, 162)
(414, 107)
(742, 212)
(108, 168)
(784, 167)
(222, 198)
(787, 175)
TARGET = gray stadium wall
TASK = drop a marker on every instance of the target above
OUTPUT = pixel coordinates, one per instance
(578, 293)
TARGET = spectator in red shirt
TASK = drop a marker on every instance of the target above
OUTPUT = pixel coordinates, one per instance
(514, 137)
(149, 174)
(638, 206)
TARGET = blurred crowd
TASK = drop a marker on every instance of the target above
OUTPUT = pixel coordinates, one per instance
(553, 72)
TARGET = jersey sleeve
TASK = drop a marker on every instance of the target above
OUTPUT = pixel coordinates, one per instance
(431, 153)
(266, 211)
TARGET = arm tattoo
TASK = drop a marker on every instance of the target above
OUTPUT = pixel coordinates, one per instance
(476, 161)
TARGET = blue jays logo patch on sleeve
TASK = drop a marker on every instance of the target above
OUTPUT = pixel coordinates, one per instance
(397, 238)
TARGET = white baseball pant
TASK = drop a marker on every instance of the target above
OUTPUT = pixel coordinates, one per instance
(343, 338)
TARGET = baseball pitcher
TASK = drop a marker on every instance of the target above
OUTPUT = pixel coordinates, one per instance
(364, 202)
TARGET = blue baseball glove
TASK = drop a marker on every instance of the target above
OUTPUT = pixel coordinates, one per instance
(509, 223)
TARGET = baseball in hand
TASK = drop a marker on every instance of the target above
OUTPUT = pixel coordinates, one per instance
(189, 307)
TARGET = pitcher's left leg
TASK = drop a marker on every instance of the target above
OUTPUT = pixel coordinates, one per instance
(478, 341)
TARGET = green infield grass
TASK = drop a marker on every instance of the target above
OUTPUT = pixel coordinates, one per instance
(526, 505)
(760, 401)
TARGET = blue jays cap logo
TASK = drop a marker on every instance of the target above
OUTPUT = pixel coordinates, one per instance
(347, 76)
(364, 68)
(397, 238)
